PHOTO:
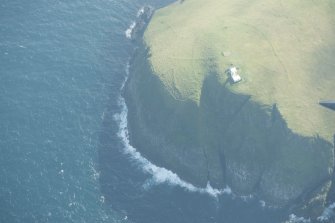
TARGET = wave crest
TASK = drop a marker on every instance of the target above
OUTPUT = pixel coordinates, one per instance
(129, 31)
(295, 219)
(327, 213)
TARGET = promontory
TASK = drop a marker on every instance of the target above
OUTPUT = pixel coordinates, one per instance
(227, 92)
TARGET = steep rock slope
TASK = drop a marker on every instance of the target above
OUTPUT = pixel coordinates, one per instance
(264, 136)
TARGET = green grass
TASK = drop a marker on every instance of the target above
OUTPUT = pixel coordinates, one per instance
(285, 49)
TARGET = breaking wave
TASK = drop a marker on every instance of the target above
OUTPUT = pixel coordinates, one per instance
(327, 213)
(295, 219)
(140, 12)
(129, 31)
(159, 174)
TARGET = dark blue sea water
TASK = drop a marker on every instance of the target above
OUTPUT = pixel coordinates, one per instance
(64, 156)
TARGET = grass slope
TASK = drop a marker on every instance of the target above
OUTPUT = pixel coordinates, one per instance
(285, 50)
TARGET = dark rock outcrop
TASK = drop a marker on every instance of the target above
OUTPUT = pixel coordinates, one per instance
(227, 139)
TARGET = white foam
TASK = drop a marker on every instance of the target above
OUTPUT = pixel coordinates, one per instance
(129, 31)
(159, 174)
(327, 213)
(262, 203)
(295, 219)
(140, 12)
(95, 174)
(102, 199)
(246, 198)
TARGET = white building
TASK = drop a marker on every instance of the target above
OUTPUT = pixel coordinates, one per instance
(234, 75)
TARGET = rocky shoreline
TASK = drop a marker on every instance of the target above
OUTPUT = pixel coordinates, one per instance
(212, 154)
(136, 29)
(227, 140)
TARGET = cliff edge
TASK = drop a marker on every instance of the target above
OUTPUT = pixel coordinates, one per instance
(266, 135)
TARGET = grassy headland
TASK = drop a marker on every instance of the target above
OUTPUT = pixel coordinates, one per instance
(285, 50)
(266, 135)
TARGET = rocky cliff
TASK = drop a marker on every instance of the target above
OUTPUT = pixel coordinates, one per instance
(185, 115)
(227, 139)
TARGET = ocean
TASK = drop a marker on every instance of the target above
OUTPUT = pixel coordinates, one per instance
(65, 153)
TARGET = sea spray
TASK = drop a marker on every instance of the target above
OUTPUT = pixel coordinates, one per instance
(159, 174)
(136, 27)
(295, 219)
(129, 31)
(327, 213)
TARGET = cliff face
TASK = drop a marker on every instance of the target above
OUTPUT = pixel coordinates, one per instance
(226, 139)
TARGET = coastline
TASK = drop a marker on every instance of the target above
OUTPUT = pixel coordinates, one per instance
(142, 145)
(159, 174)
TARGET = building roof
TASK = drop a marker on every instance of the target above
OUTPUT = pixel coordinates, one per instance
(234, 75)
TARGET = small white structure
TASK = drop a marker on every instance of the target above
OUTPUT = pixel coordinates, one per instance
(234, 75)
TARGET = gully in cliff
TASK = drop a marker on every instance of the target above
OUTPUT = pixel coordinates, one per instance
(138, 27)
